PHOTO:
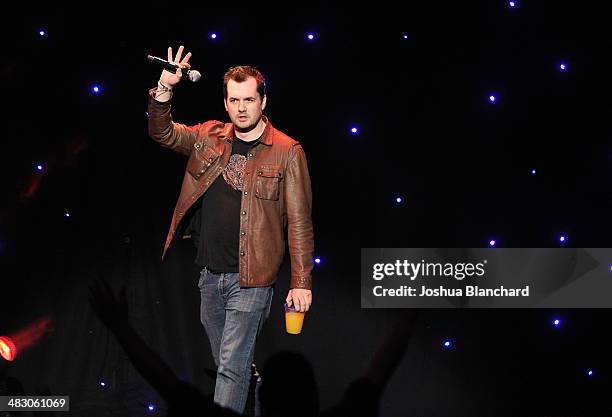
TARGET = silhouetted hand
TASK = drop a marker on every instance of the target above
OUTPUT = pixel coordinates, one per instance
(110, 310)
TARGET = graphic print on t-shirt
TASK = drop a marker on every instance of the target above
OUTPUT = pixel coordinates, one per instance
(234, 171)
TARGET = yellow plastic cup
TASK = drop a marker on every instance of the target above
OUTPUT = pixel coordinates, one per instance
(293, 320)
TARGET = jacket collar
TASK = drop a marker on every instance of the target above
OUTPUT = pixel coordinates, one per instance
(266, 137)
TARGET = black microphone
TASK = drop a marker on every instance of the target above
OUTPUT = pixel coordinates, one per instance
(193, 75)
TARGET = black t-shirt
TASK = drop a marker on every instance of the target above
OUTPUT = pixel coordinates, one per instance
(220, 214)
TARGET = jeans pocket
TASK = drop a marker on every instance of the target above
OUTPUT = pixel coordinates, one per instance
(254, 299)
(206, 278)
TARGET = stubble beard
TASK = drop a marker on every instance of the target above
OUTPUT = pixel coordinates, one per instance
(248, 128)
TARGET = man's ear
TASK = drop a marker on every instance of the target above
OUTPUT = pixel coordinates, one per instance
(263, 102)
(225, 104)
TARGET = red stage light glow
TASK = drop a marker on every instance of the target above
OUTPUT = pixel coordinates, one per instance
(25, 338)
(7, 348)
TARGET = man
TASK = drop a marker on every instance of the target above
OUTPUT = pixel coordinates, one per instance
(245, 182)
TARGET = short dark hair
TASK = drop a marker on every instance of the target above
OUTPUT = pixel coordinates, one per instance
(240, 74)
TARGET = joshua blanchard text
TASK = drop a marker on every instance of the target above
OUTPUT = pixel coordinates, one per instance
(470, 291)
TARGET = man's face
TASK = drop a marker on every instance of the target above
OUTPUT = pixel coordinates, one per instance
(243, 104)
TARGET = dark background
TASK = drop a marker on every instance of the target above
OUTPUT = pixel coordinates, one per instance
(426, 132)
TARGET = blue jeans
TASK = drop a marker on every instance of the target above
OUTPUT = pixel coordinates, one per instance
(233, 318)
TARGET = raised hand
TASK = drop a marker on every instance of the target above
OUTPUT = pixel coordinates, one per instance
(169, 79)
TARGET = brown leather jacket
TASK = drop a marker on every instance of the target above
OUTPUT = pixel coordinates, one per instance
(276, 194)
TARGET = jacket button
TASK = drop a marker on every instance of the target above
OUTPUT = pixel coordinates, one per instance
(243, 233)
(246, 192)
(241, 253)
(250, 154)
(244, 212)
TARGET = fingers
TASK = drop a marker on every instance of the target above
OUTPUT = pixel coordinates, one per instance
(183, 63)
(306, 306)
(179, 53)
(289, 299)
(302, 304)
(186, 59)
(306, 301)
(302, 299)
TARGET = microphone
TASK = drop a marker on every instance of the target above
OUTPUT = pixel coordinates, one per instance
(193, 75)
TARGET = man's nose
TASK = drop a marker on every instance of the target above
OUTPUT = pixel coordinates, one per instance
(242, 107)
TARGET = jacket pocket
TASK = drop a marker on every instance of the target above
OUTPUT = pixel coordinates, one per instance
(267, 186)
(201, 160)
